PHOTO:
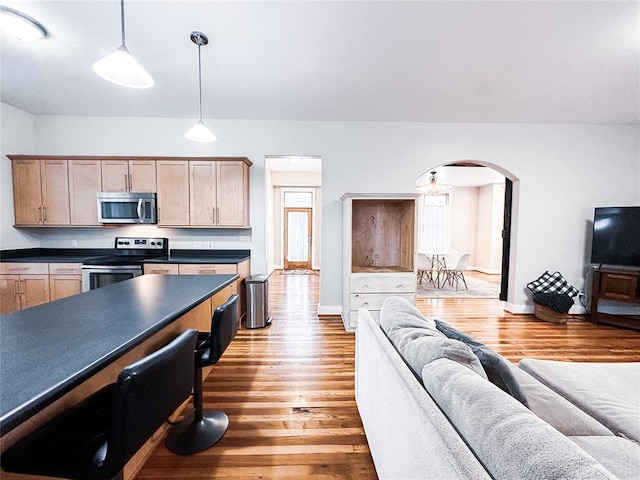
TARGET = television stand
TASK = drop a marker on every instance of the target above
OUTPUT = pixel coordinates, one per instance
(621, 286)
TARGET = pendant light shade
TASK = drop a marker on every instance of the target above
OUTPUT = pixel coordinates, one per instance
(120, 67)
(20, 26)
(435, 188)
(199, 132)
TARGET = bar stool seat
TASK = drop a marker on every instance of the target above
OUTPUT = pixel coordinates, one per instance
(202, 428)
(96, 438)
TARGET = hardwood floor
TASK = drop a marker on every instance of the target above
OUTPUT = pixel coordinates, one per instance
(289, 391)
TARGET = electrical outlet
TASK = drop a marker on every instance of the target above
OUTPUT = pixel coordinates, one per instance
(74, 243)
(244, 238)
(210, 245)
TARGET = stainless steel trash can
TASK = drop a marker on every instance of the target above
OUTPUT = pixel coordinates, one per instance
(257, 289)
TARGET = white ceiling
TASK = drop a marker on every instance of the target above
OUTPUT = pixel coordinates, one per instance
(420, 61)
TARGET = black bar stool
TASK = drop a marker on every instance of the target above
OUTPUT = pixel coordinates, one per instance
(201, 429)
(96, 438)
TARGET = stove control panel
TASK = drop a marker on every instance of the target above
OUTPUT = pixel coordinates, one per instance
(142, 243)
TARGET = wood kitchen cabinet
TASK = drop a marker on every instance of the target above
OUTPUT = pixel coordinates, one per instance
(84, 184)
(219, 193)
(173, 192)
(65, 279)
(41, 192)
(120, 175)
(23, 285)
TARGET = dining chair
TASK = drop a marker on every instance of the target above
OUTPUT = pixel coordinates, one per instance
(456, 273)
(424, 268)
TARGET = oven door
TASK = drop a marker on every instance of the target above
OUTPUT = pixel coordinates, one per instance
(97, 276)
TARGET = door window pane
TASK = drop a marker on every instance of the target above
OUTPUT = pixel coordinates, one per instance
(298, 237)
(298, 199)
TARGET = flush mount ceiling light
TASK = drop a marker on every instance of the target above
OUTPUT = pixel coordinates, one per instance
(20, 26)
(120, 67)
(199, 132)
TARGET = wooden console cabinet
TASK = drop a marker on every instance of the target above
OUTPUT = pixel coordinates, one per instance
(378, 252)
(618, 285)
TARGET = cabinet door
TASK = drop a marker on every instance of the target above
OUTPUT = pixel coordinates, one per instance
(232, 193)
(84, 184)
(115, 175)
(202, 181)
(61, 286)
(34, 290)
(9, 293)
(27, 188)
(173, 192)
(55, 192)
(142, 176)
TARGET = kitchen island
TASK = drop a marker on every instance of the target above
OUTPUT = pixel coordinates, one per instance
(54, 355)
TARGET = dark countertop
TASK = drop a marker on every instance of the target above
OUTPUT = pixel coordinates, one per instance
(80, 255)
(47, 350)
(54, 255)
(204, 256)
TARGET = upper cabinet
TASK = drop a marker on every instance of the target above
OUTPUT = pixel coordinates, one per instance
(173, 192)
(203, 192)
(41, 192)
(84, 184)
(207, 192)
(120, 175)
(219, 193)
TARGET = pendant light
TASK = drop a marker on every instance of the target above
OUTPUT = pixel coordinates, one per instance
(20, 26)
(435, 188)
(120, 67)
(199, 132)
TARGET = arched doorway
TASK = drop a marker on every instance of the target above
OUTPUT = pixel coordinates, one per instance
(472, 215)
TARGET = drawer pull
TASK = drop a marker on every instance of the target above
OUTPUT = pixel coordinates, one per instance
(204, 272)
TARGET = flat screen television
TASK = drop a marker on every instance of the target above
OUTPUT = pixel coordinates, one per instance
(616, 236)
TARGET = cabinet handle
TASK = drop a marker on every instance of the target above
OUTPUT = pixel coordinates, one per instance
(60, 270)
(16, 287)
(130, 183)
(44, 213)
(126, 182)
(39, 214)
(21, 292)
(16, 269)
(206, 272)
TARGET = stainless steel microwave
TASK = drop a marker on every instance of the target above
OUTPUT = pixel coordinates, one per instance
(126, 207)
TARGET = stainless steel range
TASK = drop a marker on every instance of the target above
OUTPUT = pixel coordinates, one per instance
(126, 262)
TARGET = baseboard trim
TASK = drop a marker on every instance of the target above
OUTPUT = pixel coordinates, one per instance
(331, 310)
(528, 309)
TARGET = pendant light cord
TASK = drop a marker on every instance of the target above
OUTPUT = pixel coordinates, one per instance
(122, 19)
(200, 81)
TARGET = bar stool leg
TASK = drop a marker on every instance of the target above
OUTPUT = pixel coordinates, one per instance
(200, 429)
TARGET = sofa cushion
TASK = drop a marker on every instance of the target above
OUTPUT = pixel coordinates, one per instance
(417, 339)
(422, 350)
(554, 409)
(609, 392)
(495, 366)
(403, 322)
(509, 439)
(618, 455)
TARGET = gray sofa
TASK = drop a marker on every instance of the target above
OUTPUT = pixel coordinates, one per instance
(430, 412)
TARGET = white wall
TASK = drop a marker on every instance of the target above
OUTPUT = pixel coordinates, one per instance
(562, 172)
(465, 222)
(17, 135)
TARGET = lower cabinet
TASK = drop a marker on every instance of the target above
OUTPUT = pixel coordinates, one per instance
(23, 285)
(242, 269)
(65, 279)
(369, 290)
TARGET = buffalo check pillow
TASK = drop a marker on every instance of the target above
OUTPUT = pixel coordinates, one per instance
(552, 283)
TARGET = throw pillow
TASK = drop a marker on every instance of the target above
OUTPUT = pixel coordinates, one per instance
(495, 366)
(552, 283)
